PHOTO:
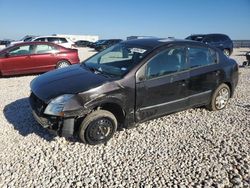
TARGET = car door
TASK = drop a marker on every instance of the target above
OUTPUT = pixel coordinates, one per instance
(161, 85)
(44, 58)
(17, 60)
(204, 74)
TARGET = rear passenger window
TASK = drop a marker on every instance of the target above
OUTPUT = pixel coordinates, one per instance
(54, 40)
(62, 40)
(201, 57)
(40, 40)
(166, 62)
(43, 49)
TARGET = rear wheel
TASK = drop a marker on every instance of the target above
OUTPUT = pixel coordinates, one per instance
(246, 63)
(226, 52)
(62, 64)
(98, 127)
(220, 98)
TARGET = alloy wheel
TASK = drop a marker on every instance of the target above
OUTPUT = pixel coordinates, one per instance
(63, 64)
(226, 52)
(222, 98)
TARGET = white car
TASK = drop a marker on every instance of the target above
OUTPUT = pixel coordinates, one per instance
(65, 42)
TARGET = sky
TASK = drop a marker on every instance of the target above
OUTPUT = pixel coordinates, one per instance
(119, 19)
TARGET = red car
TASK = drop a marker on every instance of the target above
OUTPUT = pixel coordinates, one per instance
(35, 57)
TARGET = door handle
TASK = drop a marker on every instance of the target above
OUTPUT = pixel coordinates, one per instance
(217, 73)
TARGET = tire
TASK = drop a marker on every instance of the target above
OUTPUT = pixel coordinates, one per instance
(62, 64)
(226, 52)
(245, 63)
(98, 127)
(220, 98)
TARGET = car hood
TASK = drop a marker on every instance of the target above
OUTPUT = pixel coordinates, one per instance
(70, 80)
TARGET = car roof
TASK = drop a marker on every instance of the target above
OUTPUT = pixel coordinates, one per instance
(50, 36)
(35, 42)
(210, 34)
(158, 42)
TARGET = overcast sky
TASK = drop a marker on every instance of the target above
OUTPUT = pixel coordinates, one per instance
(119, 19)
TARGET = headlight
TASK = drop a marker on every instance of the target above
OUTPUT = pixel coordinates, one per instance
(56, 106)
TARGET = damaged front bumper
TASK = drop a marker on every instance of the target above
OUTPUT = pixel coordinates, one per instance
(62, 126)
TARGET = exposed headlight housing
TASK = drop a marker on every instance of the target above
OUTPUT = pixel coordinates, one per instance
(55, 107)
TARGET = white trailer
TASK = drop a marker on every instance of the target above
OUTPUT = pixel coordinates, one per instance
(74, 38)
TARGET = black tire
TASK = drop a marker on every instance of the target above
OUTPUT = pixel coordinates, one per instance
(98, 127)
(245, 63)
(222, 93)
(62, 64)
(226, 52)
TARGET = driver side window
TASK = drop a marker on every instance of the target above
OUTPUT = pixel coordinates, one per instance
(169, 61)
(21, 50)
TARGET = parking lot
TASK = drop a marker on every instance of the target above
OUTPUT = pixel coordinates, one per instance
(192, 148)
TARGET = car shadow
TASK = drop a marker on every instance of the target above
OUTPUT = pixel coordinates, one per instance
(19, 115)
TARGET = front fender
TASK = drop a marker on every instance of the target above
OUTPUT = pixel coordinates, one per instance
(75, 107)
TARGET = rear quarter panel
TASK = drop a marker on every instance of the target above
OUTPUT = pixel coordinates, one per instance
(70, 55)
(230, 72)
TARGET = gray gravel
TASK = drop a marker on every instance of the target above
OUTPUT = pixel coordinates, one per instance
(193, 148)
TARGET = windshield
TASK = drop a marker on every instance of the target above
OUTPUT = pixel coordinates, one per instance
(117, 60)
(27, 39)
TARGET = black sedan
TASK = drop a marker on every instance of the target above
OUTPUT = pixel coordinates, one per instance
(132, 82)
(82, 43)
(106, 43)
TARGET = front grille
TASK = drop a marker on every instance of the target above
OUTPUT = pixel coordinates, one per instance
(37, 104)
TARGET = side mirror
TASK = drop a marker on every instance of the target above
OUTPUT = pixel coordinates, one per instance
(141, 78)
(140, 75)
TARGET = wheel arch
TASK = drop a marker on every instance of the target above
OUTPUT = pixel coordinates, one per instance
(230, 87)
(115, 109)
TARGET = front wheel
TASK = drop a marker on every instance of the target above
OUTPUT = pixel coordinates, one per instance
(98, 127)
(220, 98)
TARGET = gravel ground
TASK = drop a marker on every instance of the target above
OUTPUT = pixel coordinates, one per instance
(193, 148)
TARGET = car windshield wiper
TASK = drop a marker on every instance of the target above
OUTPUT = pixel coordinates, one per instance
(97, 70)
(92, 69)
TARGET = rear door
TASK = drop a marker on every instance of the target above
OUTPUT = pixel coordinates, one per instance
(44, 57)
(164, 89)
(17, 60)
(204, 74)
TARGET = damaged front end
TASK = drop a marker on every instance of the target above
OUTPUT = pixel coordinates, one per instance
(60, 114)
